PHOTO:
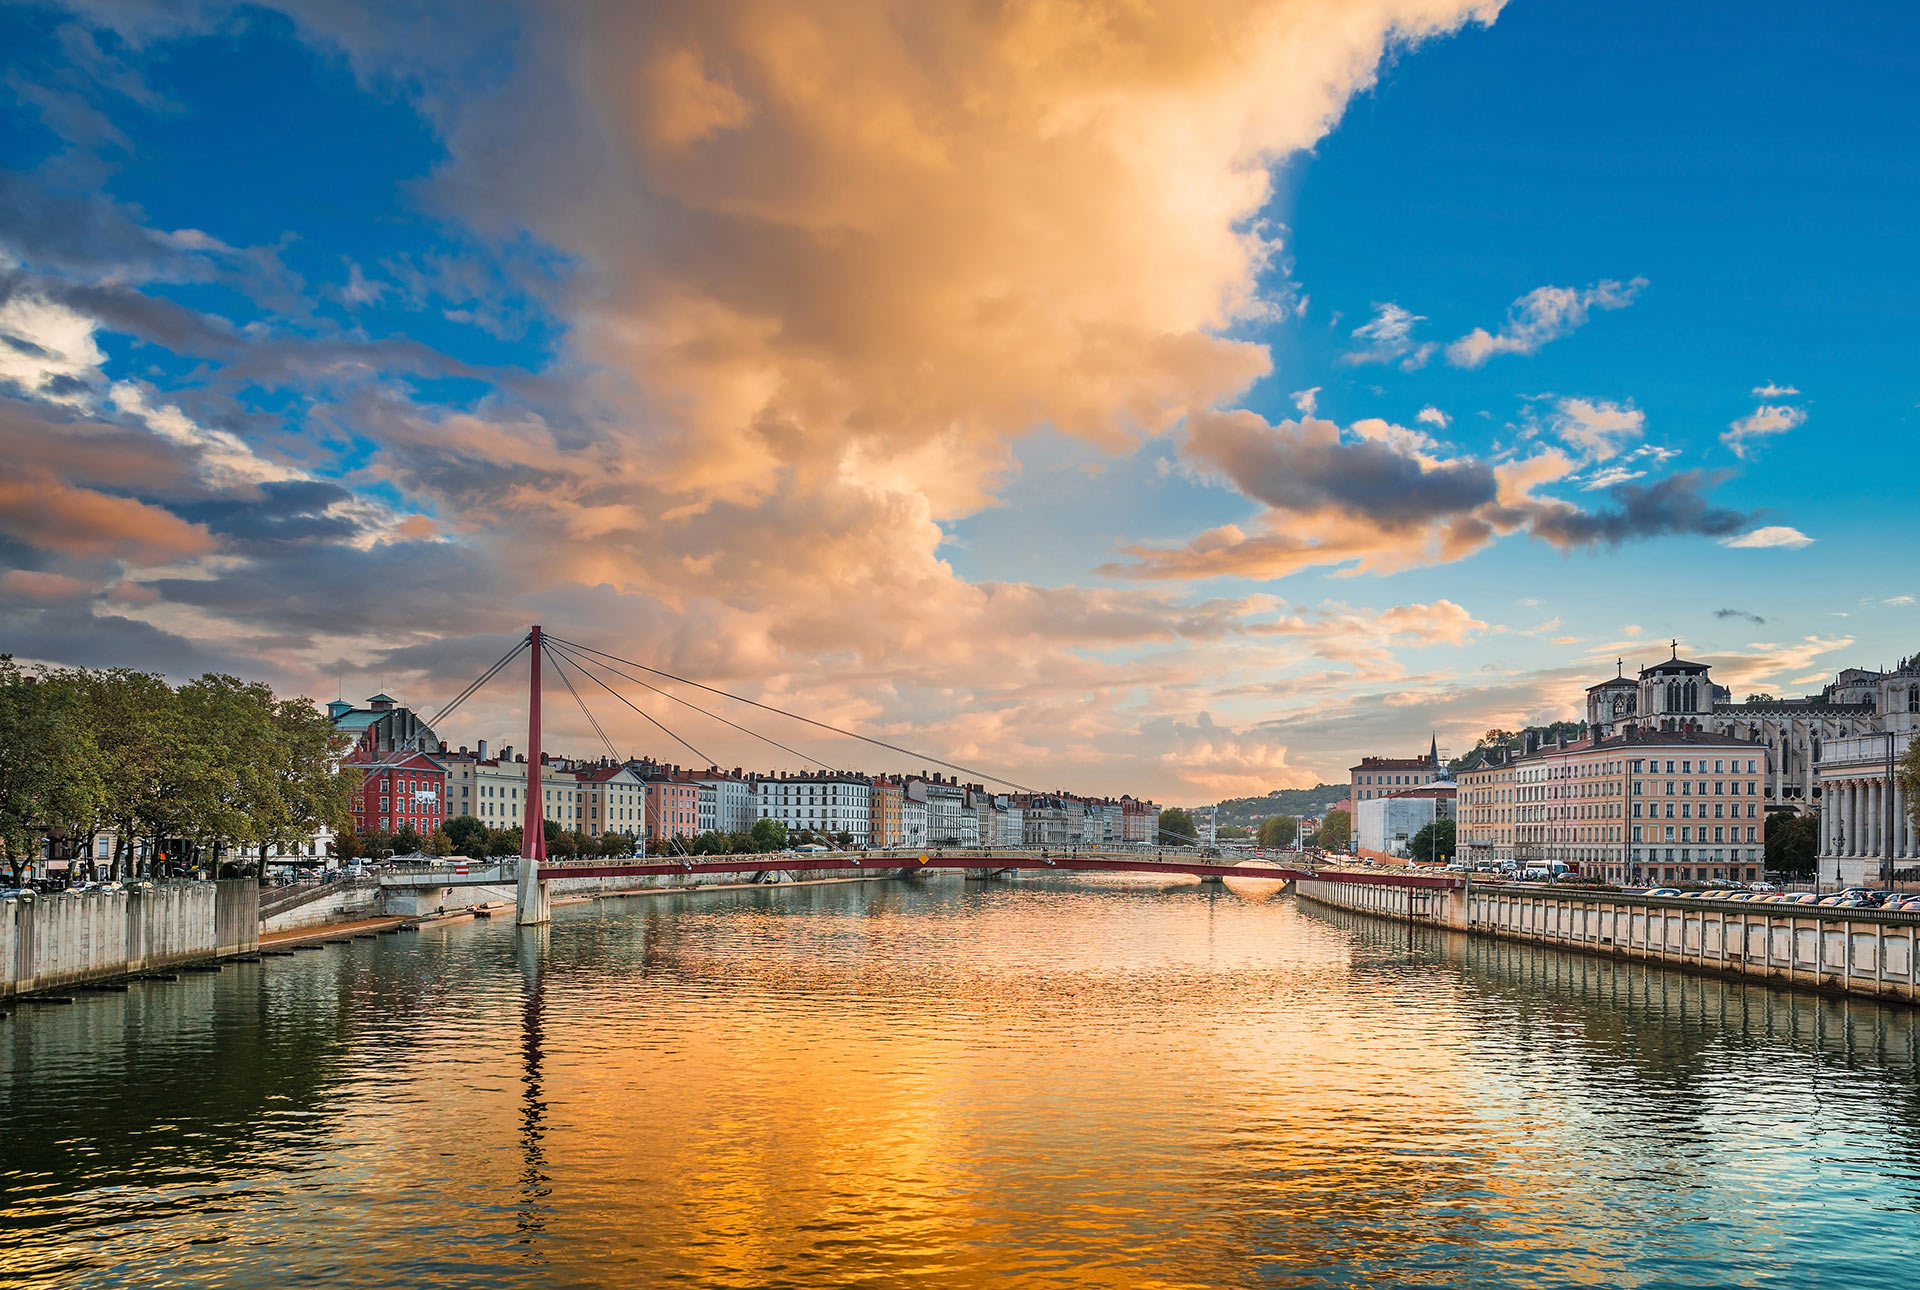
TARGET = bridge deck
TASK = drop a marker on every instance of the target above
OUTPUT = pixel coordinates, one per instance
(932, 860)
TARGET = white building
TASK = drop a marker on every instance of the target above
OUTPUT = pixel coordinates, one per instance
(913, 821)
(735, 805)
(1384, 826)
(827, 802)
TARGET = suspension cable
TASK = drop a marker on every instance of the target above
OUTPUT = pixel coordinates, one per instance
(794, 716)
(649, 716)
(667, 694)
(601, 655)
(560, 671)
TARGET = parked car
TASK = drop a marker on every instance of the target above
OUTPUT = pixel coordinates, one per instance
(1664, 891)
(1762, 886)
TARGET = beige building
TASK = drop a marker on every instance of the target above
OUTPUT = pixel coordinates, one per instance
(1484, 811)
(611, 799)
(493, 789)
(1644, 807)
(887, 815)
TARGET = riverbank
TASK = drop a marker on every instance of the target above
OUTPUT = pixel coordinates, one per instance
(1865, 952)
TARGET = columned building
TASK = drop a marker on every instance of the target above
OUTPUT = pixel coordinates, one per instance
(1865, 827)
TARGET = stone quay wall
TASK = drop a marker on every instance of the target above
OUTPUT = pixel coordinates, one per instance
(1849, 951)
(63, 940)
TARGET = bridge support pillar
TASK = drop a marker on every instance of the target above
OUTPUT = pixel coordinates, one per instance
(530, 905)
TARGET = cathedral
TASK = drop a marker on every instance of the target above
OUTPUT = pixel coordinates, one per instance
(1679, 694)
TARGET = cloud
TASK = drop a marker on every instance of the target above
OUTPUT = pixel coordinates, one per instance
(1380, 499)
(1772, 391)
(1898, 600)
(1389, 335)
(823, 266)
(1771, 535)
(1767, 419)
(1307, 401)
(1674, 505)
(1542, 315)
(1741, 614)
(45, 513)
(1433, 416)
(1598, 429)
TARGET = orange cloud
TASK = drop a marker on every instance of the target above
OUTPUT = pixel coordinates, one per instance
(41, 511)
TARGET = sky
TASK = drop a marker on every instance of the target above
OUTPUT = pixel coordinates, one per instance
(1177, 399)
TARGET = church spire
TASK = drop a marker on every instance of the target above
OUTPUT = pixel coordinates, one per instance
(1433, 750)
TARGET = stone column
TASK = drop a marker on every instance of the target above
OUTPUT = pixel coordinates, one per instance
(1877, 803)
(1852, 847)
(1826, 827)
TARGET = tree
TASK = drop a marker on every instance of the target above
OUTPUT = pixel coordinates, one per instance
(1177, 828)
(1909, 775)
(439, 843)
(1793, 842)
(1232, 833)
(1336, 830)
(1433, 844)
(768, 835)
(1279, 831)
(50, 763)
(1762, 698)
(468, 835)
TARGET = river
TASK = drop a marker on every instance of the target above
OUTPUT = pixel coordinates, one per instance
(1033, 1083)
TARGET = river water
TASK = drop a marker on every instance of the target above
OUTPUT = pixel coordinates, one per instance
(1071, 1083)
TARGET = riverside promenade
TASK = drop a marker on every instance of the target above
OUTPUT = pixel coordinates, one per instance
(1863, 952)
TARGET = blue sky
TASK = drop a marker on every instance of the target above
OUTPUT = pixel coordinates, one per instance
(343, 347)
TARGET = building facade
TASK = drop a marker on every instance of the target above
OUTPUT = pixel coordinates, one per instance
(886, 814)
(1378, 777)
(400, 791)
(1644, 806)
(612, 799)
(735, 804)
(1384, 827)
(1486, 806)
(1866, 831)
(827, 802)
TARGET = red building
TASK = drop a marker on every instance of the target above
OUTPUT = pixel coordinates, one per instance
(400, 790)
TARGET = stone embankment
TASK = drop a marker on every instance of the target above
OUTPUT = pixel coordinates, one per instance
(1851, 951)
(48, 942)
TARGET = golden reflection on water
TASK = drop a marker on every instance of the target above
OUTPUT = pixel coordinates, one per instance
(1054, 1083)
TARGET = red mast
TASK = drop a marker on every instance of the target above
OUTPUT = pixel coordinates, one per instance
(533, 828)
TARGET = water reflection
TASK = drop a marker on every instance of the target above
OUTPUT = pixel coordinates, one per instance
(1031, 1083)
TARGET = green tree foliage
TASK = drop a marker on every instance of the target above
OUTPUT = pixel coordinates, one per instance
(220, 763)
(50, 762)
(1336, 831)
(1177, 828)
(1279, 831)
(1234, 833)
(468, 834)
(768, 835)
(1908, 769)
(1793, 842)
(1434, 843)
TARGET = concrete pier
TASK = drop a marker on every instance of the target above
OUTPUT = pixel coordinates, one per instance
(60, 940)
(1848, 951)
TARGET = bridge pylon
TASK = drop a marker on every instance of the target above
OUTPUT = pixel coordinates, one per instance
(531, 907)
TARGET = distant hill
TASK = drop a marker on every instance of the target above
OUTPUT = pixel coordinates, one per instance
(1249, 811)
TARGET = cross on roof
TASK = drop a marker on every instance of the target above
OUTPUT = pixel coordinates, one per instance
(1676, 647)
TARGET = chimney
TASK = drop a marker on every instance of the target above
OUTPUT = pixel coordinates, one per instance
(481, 749)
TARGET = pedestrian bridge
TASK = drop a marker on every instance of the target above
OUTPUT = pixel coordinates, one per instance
(417, 881)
